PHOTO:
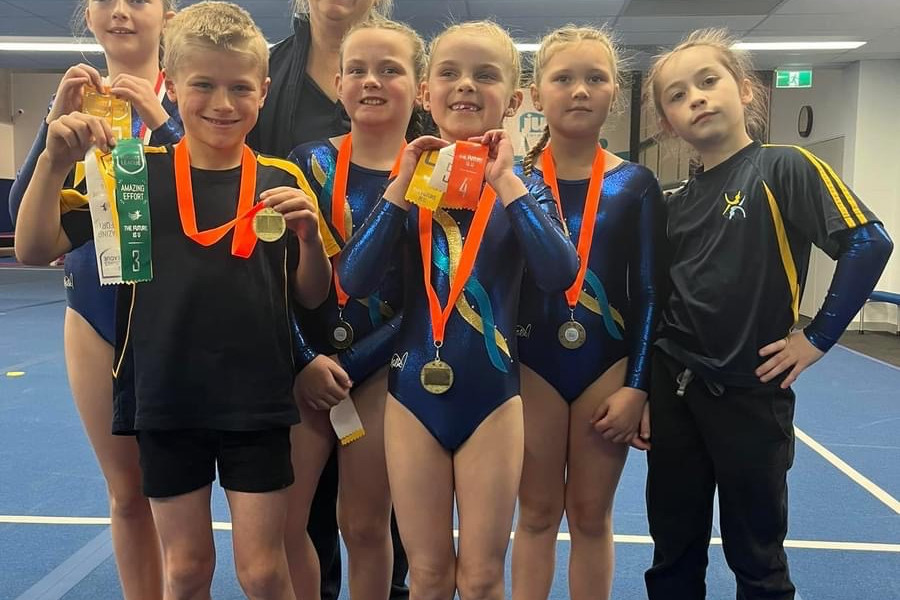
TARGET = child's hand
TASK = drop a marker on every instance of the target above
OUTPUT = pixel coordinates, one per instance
(140, 93)
(396, 190)
(298, 210)
(71, 136)
(794, 352)
(70, 91)
(642, 440)
(322, 383)
(619, 417)
(500, 154)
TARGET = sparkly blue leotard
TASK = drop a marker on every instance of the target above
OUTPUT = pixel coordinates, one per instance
(84, 294)
(480, 342)
(618, 302)
(375, 313)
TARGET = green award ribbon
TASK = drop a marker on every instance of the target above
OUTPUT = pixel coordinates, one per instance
(133, 207)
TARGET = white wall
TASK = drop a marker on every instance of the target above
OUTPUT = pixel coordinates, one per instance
(857, 104)
(30, 92)
(876, 178)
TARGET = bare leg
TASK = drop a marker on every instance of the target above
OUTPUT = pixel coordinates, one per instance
(420, 471)
(184, 523)
(364, 500)
(542, 491)
(311, 443)
(258, 537)
(89, 360)
(488, 469)
(594, 468)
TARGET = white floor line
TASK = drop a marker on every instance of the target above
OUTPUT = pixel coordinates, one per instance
(849, 471)
(561, 537)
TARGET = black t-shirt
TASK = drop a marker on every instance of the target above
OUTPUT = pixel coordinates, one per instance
(740, 238)
(206, 343)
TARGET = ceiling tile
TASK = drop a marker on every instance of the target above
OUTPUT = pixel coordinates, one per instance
(686, 24)
(655, 8)
(853, 22)
(799, 7)
(581, 9)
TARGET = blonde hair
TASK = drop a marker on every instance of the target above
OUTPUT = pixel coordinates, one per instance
(484, 29)
(79, 17)
(419, 57)
(736, 62)
(381, 8)
(214, 25)
(552, 43)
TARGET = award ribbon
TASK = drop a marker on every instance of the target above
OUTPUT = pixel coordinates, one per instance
(101, 184)
(571, 333)
(466, 176)
(437, 376)
(116, 111)
(133, 208)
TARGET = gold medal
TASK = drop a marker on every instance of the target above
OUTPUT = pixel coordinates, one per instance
(436, 376)
(269, 225)
(571, 334)
(342, 335)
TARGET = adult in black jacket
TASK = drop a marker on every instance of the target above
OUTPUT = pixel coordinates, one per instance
(302, 106)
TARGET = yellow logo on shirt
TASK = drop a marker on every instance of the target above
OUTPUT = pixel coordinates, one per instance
(734, 206)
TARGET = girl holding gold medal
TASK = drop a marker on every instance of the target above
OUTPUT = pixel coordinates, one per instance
(453, 419)
(129, 32)
(585, 352)
(381, 65)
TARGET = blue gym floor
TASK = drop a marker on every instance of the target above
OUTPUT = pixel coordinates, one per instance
(843, 543)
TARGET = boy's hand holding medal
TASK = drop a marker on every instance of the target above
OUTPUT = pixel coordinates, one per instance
(294, 209)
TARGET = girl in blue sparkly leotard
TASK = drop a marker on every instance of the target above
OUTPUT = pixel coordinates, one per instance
(381, 65)
(461, 432)
(129, 32)
(585, 352)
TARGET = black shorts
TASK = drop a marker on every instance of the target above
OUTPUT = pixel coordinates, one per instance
(179, 461)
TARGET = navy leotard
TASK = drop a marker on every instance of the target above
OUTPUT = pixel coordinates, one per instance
(480, 342)
(618, 302)
(380, 311)
(84, 294)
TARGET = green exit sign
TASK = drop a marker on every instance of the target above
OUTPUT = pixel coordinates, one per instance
(793, 79)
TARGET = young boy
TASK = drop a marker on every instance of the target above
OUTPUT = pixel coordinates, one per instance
(203, 366)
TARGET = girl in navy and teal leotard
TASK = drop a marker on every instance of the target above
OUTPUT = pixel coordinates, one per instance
(89, 321)
(353, 335)
(584, 353)
(84, 294)
(466, 441)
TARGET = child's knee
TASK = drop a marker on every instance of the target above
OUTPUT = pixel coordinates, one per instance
(367, 532)
(481, 579)
(128, 504)
(263, 578)
(432, 580)
(188, 576)
(589, 517)
(537, 516)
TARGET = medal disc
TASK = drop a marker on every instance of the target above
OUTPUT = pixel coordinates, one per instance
(342, 335)
(268, 224)
(436, 377)
(571, 335)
